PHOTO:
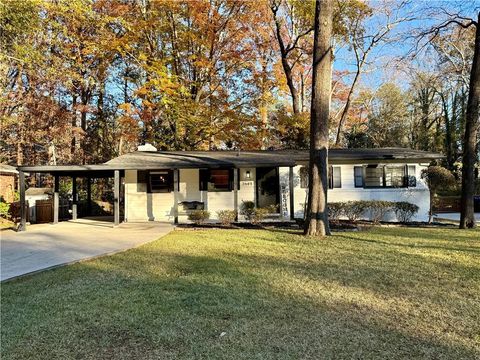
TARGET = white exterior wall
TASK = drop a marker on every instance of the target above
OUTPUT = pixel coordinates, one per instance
(143, 206)
(247, 188)
(418, 195)
(140, 206)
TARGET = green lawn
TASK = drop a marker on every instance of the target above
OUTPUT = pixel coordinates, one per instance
(256, 294)
(6, 224)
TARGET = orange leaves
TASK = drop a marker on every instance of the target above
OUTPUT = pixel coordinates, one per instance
(126, 107)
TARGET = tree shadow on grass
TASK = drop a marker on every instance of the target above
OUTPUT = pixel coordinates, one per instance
(462, 246)
(150, 303)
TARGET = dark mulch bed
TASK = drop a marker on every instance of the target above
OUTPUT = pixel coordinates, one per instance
(243, 225)
(339, 225)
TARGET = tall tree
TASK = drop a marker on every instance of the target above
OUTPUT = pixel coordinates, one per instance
(470, 136)
(467, 216)
(387, 121)
(317, 213)
(293, 26)
(363, 40)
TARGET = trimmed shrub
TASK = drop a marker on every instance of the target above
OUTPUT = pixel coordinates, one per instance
(405, 211)
(199, 216)
(226, 217)
(437, 178)
(378, 209)
(354, 209)
(4, 210)
(272, 209)
(253, 214)
(247, 209)
(259, 215)
(335, 210)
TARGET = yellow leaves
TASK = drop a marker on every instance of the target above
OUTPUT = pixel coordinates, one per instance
(147, 103)
(76, 130)
(142, 91)
(127, 107)
(142, 57)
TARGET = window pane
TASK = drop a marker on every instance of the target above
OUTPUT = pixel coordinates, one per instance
(219, 180)
(395, 176)
(358, 174)
(412, 179)
(373, 176)
(160, 181)
(304, 177)
(337, 176)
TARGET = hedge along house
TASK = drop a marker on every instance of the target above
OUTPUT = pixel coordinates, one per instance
(167, 185)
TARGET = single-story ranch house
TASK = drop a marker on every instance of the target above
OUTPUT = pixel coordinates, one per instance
(165, 185)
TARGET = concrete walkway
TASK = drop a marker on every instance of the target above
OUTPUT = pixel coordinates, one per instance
(44, 246)
(455, 217)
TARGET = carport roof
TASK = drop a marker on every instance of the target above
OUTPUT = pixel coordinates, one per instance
(143, 160)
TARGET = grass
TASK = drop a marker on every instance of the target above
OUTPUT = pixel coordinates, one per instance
(256, 294)
(6, 224)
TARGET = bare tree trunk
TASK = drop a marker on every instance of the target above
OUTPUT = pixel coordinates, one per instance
(74, 125)
(448, 130)
(317, 215)
(264, 119)
(287, 68)
(430, 209)
(467, 216)
(85, 99)
(20, 145)
(343, 118)
(291, 86)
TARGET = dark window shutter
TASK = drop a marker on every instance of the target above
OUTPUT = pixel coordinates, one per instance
(330, 177)
(230, 178)
(412, 179)
(170, 178)
(304, 177)
(203, 179)
(143, 177)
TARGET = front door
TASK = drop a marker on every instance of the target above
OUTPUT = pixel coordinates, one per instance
(268, 187)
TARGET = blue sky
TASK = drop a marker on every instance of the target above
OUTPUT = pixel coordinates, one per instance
(423, 15)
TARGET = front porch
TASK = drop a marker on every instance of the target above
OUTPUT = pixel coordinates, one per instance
(171, 195)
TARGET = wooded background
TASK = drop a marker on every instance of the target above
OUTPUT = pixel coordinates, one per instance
(84, 81)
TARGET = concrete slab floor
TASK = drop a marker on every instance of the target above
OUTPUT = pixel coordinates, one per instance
(44, 246)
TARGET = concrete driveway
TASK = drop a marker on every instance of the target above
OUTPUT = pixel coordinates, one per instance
(44, 246)
(455, 217)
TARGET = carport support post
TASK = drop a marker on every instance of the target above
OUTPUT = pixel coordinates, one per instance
(23, 214)
(74, 197)
(116, 198)
(290, 188)
(56, 198)
(175, 196)
(235, 192)
(89, 196)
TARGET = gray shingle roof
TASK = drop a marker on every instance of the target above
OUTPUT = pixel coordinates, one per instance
(208, 159)
(5, 168)
(185, 159)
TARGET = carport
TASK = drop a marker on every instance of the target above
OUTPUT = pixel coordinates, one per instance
(88, 172)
